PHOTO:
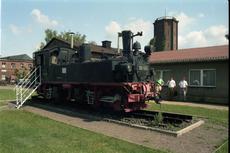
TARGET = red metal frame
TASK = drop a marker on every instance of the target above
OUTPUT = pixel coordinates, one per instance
(136, 93)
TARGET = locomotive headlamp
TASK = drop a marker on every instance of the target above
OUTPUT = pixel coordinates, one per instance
(129, 68)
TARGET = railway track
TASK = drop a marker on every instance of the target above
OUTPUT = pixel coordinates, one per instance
(171, 123)
(168, 117)
(139, 117)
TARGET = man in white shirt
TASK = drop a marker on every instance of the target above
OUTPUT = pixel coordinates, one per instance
(183, 89)
(171, 87)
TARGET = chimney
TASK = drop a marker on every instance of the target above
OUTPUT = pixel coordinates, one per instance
(106, 44)
(71, 43)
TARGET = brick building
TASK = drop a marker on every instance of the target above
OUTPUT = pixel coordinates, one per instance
(12, 67)
(166, 32)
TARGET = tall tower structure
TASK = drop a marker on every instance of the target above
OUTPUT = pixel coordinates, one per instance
(166, 33)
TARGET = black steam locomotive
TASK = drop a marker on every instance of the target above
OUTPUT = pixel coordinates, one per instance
(122, 82)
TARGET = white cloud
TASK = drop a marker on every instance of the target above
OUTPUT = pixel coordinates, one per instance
(216, 31)
(201, 15)
(190, 37)
(43, 19)
(37, 46)
(15, 29)
(135, 26)
(216, 34)
(212, 36)
(139, 25)
(185, 22)
(112, 29)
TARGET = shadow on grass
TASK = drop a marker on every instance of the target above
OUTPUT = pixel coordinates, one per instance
(69, 110)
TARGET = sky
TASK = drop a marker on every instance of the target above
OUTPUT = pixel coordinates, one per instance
(23, 22)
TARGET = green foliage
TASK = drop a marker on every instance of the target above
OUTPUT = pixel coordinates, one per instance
(158, 118)
(157, 43)
(25, 132)
(152, 42)
(223, 148)
(50, 34)
(214, 115)
(42, 44)
(20, 73)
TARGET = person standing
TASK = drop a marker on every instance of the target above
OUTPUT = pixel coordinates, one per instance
(171, 88)
(158, 88)
(183, 89)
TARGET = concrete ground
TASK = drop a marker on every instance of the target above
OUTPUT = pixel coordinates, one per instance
(209, 106)
(8, 87)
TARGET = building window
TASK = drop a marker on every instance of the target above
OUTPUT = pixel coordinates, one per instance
(22, 65)
(202, 77)
(3, 77)
(163, 74)
(3, 65)
(13, 66)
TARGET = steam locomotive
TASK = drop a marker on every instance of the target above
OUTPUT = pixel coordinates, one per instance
(122, 83)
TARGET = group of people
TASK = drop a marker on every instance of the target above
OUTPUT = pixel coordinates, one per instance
(183, 84)
(172, 92)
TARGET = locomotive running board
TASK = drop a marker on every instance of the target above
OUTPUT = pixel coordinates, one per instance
(25, 88)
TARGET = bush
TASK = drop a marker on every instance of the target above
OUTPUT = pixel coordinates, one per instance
(158, 118)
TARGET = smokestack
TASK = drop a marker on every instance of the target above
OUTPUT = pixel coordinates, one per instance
(127, 39)
(106, 44)
(127, 42)
(71, 43)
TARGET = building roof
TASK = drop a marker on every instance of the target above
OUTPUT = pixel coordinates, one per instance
(94, 48)
(214, 53)
(21, 57)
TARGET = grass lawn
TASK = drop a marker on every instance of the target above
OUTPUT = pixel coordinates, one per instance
(24, 132)
(223, 148)
(214, 115)
(6, 94)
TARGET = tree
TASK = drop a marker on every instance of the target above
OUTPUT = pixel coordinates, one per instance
(152, 44)
(20, 73)
(50, 34)
(92, 42)
(42, 44)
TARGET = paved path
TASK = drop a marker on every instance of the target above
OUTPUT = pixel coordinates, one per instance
(7, 87)
(209, 106)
